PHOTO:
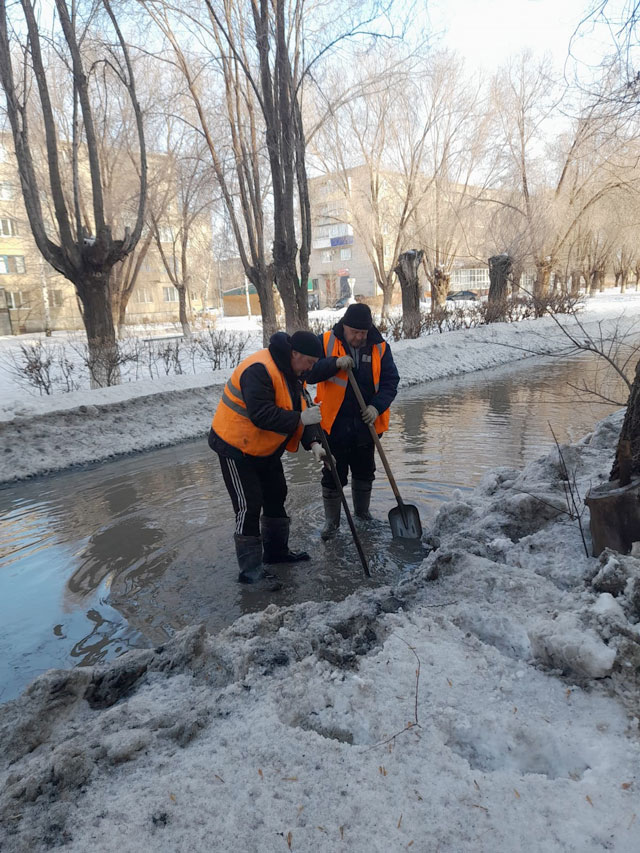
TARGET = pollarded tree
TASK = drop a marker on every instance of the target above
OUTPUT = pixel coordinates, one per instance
(79, 243)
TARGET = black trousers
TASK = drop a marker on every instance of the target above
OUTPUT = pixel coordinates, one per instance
(255, 484)
(358, 457)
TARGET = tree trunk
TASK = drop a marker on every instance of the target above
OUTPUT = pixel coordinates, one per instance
(439, 288)
(262, 280)
(516, 277)
(601, 281)
(614, 506)
(182, 311)
(575, 282)
(387, 296)
(593, 282)
(499, 270)
(103, 362)
(624, 279)
(407, 272)
(295, 315)
(627, 461)
(543, 278)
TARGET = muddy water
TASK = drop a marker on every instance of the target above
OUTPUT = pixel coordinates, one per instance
(124, 554)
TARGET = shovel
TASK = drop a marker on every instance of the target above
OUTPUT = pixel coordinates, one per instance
(336, 478)
(404, 518)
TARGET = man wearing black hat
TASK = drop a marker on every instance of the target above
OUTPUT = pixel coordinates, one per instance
(261, 414)
(353, 343)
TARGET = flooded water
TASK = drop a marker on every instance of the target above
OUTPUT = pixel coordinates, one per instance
(123, 554)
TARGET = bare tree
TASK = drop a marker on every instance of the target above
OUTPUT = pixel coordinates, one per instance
(226, 112)
(192, 181)
(559, 184)
(373, 144)
(80, 245)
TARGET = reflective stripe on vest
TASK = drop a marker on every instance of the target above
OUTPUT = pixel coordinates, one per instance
(232, 422)
(331, 392)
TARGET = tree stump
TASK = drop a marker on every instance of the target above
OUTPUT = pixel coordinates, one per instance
(407, 272)
(615, 516)
(500, 267)
(615, 507)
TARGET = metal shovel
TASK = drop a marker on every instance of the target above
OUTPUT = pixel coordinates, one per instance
(404, 518)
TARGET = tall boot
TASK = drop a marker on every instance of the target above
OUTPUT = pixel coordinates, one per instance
(332, 505)
(249, 554)
(361, 494)
(275, 541)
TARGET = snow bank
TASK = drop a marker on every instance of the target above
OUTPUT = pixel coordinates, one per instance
(45, 434)
(487, 702)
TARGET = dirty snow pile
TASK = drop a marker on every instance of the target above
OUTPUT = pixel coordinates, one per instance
(45, 434)
(488, 702)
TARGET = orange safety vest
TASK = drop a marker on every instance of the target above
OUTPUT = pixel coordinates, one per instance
(331, 392)
(232, 422)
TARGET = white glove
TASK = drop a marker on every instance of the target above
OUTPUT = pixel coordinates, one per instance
(312, 415)
(319, 453)
(345, 362)
(370, 414)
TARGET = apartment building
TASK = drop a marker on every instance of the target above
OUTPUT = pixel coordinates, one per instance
(343, 228)
(35, 297)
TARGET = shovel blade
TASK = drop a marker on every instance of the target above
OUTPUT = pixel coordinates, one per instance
(405, 522)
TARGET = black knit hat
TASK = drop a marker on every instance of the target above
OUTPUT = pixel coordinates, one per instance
(358, 316)
(307, 344)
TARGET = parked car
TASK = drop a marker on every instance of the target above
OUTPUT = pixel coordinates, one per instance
(341, 303)
(462, 296)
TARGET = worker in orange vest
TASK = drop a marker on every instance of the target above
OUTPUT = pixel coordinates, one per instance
(261, 413)
(354, 343)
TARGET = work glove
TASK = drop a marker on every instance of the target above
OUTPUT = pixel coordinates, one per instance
(319, 453)
(344, 362)
(312, 415)
(370, 414)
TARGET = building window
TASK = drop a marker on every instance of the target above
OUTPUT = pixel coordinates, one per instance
(345, 254)
(470, 279)
(165, 235)
(6, 191)
(12, 264)
(8, 227)
(326, 257)
(143, 295)
(170, 294)
(56, 298)
(18, 299)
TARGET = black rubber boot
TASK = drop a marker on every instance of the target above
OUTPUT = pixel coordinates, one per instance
(361, 494)
(332, 505)
(249, 554)
(275, 541)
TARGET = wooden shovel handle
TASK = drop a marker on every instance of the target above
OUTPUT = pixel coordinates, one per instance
(374, 436)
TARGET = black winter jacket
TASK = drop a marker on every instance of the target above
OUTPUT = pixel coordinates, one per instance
(348, 424)
(259, 396)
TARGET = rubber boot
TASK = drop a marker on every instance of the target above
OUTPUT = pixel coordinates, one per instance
(361, 494)
(332, 505)
(275, 541)
(249, 554)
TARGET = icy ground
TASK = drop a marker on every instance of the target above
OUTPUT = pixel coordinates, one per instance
(45, 434)
(489, 702)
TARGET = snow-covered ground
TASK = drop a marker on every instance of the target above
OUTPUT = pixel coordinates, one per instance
(45, 434)
(488, 702)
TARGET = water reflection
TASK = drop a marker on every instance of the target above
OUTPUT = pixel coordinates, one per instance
(124, 554)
